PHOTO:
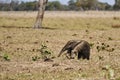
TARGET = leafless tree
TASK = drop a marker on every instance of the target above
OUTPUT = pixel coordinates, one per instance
(40, 15)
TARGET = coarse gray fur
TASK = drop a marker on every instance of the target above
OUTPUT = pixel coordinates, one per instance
(81, 48)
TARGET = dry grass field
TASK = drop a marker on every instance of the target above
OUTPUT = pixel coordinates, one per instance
(20, 44)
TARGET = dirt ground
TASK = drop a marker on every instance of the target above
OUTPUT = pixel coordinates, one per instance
(18, 46)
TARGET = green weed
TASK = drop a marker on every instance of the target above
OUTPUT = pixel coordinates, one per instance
(35, 58)
(91, 45)
(6, 57)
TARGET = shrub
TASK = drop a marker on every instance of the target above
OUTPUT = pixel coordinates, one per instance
(104, 47)
(45, 51)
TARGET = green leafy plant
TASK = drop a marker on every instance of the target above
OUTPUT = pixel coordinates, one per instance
(6, 57)
(109, 71)
(91, 45)
(35, 58)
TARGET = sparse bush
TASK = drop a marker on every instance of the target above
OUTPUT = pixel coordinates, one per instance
(104, 47)
(45, 52)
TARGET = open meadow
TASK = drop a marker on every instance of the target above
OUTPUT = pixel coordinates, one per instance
(21, 45)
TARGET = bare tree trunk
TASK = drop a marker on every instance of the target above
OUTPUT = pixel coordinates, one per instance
(40, 15)
(11, 8)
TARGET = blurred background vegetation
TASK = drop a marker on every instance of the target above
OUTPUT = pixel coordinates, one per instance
(75, 5)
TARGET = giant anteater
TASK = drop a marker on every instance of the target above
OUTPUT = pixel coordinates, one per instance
(81, 48)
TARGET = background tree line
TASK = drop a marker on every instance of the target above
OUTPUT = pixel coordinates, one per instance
(76, 5)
